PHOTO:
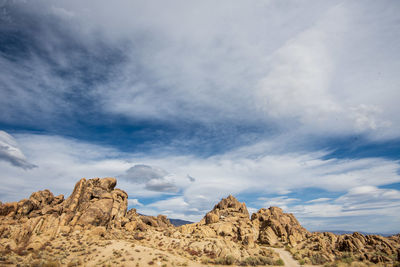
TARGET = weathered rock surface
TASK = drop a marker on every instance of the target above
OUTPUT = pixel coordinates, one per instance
(224, 231)
(276, 227)
(135, 221)
(32, 222)
(230, 218)
(96, 210)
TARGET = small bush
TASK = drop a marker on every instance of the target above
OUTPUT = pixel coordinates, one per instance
(205, 261)
(260, 260)
(317, 259)
(227, 260)
(347, 259)
(280, 262)
(266, 261)
(252, 261)
(302, 262)
(331, 264)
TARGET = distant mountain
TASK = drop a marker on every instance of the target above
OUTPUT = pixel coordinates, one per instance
(179, 222)
(343, 232)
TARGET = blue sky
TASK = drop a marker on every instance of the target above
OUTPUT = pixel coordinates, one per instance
(285, 103)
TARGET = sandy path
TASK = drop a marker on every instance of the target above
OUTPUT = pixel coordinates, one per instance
(286, 257)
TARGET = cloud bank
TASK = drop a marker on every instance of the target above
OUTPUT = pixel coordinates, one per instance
(278, 103)
(320, 68)
(260, 179)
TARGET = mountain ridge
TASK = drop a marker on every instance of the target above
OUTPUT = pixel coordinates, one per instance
(96, 213)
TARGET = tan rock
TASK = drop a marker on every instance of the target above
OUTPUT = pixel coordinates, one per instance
(268, 236)
(96, 209)
(98, 231)
(211, 218)
(131, 226)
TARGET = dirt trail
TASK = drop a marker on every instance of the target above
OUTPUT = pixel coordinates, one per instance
(286, 257)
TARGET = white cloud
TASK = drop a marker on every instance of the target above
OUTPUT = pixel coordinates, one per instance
(325, 68)
(319, 200)
(321, 68)
(367, 207)
(261, 171)
(10, 152)
(155, 179)
(134, 202)
(282, 202)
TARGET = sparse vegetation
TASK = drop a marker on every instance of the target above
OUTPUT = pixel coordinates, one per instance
(348, 258)
(227, 260)
(258, 260)
(317, 259)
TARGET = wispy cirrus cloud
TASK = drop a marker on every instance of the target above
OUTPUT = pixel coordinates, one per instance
(251, 98)
(10, 152)
(301, 70)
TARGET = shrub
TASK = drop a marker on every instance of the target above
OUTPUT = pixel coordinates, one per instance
(266, 261)
(317, 259)
(302, 262)
(252, 261)
(205, 261)
(227, 260)
(260, 260)
(347, 259)
(280, 262)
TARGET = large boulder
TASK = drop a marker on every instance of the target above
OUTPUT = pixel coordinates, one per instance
(229, 219)
(275, 226)
(32, 222)
(96, 202)
(135, 221)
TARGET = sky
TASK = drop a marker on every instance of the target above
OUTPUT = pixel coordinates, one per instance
(280, 103)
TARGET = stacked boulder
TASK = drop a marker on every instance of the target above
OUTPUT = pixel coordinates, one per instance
(276, 227)
(30, 223)
(230, 218)
(96, 207)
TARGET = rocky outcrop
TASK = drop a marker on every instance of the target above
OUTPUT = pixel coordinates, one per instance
(230, 218)
(320, 248)
(135, 221)
(224, 231)
(227, 208)
(32, 222)
(39, 203)
(95, 202)
(96, 210)
(276, 227)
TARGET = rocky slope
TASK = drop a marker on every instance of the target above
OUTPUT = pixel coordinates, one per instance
(93, 227)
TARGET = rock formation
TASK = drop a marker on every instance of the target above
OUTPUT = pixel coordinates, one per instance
(30, 223)
(96, 213)
(276, 227)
